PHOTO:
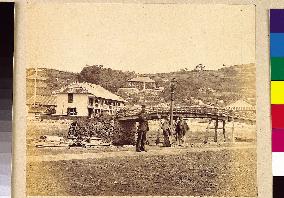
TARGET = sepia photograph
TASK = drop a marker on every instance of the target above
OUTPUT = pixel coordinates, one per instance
(141, 100)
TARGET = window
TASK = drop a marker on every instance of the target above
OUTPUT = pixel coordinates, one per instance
(71, 111)
(91, 101)
(70, 98)
(90, 112)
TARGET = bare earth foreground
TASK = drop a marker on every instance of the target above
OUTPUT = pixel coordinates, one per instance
(226, 171)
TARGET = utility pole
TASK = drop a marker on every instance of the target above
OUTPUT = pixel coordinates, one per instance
(35, 84)
(173, 86)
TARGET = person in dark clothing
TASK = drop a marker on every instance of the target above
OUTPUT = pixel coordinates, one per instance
(143, 127)
(166, 132)
(181, 129)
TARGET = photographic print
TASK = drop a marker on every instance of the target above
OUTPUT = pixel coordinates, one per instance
(141, 100)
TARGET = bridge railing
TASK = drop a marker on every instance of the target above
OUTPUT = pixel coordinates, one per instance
(180, 110)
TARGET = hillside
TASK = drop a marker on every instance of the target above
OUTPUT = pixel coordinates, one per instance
(108, 78)
(228, 83)
(48, 80)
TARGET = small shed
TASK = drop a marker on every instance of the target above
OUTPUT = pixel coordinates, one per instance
(241, 105)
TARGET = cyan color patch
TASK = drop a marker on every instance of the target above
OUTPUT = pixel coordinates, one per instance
(277, 45)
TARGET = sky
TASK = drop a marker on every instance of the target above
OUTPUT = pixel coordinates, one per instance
(145, 38)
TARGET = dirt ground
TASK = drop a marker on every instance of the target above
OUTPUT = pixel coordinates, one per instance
(197, 129)
(225, 172)
(215, 169)
(242, 133)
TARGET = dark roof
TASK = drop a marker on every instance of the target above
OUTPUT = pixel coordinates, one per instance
(142, 79)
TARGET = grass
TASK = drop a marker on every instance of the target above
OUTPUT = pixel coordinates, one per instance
(35, 129)
(211, 173)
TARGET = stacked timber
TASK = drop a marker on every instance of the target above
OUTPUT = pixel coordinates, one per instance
(104, 128)
(86, 128)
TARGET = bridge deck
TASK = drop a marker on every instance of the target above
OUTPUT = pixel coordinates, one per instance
(186, 112)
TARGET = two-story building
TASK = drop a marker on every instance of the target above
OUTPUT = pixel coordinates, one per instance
(86, 99)
(142, 83)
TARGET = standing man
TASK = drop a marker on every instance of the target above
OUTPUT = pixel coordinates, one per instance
(181, 129)
(142, 130)
(166, 132)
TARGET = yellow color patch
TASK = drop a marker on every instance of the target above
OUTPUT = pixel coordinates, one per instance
(277, 92)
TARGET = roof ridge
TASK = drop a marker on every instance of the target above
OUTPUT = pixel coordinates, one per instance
(94, 89)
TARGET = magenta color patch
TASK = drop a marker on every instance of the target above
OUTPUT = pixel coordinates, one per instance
(277, 140)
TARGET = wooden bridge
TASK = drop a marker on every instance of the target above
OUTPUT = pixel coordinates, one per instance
(212, 114)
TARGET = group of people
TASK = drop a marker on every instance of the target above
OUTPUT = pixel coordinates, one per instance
(178, 130)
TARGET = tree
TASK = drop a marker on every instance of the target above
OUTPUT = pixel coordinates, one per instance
(199, 67)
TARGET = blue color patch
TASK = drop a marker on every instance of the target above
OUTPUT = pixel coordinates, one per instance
(277, 44)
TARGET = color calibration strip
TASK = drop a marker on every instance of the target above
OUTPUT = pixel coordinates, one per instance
(6, 95)
(277, 98)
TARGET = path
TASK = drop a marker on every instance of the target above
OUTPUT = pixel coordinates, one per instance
(132, 153)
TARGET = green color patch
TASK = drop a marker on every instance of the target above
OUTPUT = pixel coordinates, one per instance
(277, 68)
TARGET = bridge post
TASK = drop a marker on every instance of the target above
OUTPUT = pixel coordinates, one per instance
(224, 131)
(173, 81)
(216, 130)
(233, 130)
(207, 132)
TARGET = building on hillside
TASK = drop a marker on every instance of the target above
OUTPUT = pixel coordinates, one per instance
(86, 99)
(36, 83)
(142, 83)
(243, 109)
(40, 100)
(241, 105)
(141, 90)
(41, 104)
(127, 91)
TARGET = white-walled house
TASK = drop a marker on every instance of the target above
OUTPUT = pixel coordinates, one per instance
(142, 83)
(241, 105)
(86, 99)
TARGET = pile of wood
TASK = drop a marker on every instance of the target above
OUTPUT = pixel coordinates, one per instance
(84, 129)
(51, 141)
(105, 129)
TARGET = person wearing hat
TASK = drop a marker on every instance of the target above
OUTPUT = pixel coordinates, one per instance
(181, 129)
(166, 132)
(143, 127)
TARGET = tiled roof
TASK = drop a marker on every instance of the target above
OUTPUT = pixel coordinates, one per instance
(43, 100)
(240, 104)
(89, 88)
(142, 79)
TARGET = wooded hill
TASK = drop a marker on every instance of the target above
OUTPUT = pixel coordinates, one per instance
(54, 80)
(228, 83)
